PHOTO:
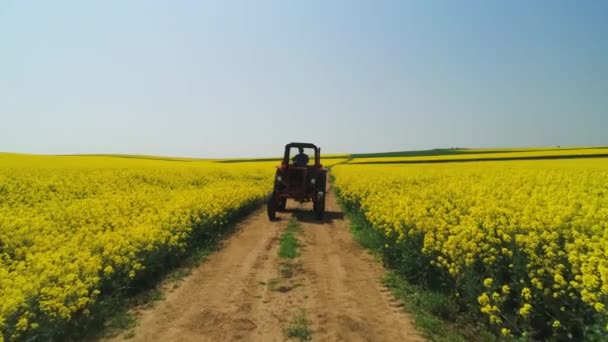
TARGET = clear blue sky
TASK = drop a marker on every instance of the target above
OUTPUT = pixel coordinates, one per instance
(242, 78)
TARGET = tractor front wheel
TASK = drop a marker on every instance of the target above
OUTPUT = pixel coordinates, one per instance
(271, 207)
(282, 204)
(319, 207)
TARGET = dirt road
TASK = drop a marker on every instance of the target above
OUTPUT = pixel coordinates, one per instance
(243, 292)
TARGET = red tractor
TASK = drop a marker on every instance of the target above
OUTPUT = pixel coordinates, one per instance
(298, 180)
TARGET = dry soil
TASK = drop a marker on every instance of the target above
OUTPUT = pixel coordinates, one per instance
(247, 292)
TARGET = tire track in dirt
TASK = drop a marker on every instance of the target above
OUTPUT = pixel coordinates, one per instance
(229, 297)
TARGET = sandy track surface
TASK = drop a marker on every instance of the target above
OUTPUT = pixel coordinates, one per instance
(240, 293)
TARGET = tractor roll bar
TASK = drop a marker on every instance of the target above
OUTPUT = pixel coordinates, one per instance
(303, 145)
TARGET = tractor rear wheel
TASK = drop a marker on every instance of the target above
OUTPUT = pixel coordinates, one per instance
(271, 207)
(319, 207)
(282, 204)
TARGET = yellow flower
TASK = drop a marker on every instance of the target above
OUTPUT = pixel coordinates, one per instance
(525, 310)
(495, 319)
(22, 324)
(483, 300)
(108, 270)
(556, 324)
(505, 332)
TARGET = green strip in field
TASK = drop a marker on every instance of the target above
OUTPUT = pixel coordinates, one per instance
(461, 151)
(288, 243)
(299, 327)
(485, 156)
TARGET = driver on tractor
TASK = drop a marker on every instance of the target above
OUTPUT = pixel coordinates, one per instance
(301, 159)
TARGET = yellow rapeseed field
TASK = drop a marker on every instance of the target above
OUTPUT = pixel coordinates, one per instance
(530, 237)
(74, 227)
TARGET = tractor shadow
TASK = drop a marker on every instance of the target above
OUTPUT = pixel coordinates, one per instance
(308, 216)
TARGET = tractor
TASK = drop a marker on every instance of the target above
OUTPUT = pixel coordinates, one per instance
(299, 180)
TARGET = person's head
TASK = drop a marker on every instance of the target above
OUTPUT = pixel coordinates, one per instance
(301, 149)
